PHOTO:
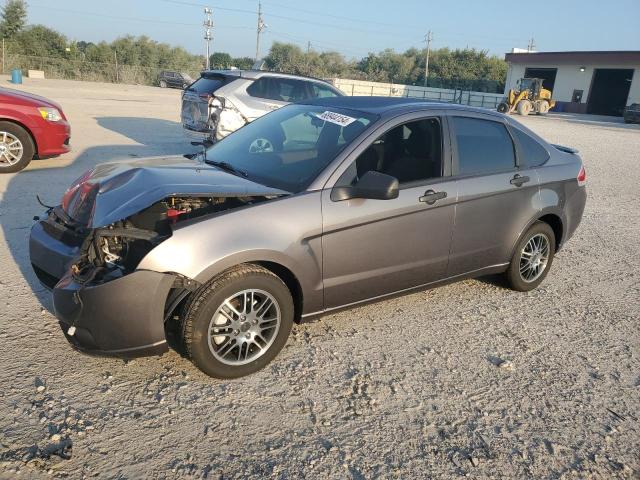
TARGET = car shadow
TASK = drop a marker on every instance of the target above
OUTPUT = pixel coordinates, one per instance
(19, 205)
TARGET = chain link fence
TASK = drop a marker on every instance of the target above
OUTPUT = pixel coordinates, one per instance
(77, 69)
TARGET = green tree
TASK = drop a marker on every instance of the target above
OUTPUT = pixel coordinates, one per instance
(220, 60)
(243, 63)
(14, 17)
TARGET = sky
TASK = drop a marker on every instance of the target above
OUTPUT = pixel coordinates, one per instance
(353, 27)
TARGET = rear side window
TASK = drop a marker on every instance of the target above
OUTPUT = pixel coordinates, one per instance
(534, 153)
(207, 84)
(483, 146)
(281, 89)
(321, 91)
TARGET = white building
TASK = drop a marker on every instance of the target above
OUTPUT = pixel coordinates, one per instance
(582, 82)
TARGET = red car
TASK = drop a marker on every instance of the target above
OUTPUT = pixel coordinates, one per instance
(30, 127)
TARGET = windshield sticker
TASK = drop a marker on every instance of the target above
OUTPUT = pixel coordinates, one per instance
(337, 118)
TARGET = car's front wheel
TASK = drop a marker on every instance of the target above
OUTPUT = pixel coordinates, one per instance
(16, 147)
(532, 258)
(238, 322)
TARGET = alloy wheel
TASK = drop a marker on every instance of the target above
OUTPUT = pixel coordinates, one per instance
(244, 327)
(534, 257)
(11, 149)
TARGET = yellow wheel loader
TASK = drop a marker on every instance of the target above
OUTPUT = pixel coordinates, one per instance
(527, 97)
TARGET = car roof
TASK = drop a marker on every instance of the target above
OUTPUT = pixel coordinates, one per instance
(255, 74)
(380, 105)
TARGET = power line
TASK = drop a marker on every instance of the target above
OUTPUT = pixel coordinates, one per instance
(338, 17)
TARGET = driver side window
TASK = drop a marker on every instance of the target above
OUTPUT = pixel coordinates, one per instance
(411, 152)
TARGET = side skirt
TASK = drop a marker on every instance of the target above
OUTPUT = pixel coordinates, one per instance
(500, 268)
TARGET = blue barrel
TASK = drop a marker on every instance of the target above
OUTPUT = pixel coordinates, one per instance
(16, 75)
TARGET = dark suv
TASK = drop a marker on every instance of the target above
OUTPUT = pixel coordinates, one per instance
(174, 79)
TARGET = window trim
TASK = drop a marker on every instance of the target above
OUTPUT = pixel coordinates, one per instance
(522, 162)
(328, 179)
(455, 165)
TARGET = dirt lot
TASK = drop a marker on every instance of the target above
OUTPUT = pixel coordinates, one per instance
(469, 379)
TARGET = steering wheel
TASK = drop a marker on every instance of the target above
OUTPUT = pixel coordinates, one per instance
(261, 145)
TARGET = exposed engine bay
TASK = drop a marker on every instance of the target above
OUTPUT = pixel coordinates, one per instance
(115, 250)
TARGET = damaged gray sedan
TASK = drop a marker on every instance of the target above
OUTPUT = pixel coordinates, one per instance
(312, 208)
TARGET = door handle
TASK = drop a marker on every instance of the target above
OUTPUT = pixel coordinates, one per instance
(431, 196)
(519, 180)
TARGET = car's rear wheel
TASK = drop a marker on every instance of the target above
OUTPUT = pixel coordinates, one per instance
(532, 258)
(238, 322)
(163, 84)
(16, 148)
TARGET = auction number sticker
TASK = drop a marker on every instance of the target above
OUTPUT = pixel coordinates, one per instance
(337, 118)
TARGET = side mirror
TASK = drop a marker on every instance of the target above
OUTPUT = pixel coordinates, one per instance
(373, 185)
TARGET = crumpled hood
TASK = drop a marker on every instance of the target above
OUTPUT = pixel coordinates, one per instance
(114, 191)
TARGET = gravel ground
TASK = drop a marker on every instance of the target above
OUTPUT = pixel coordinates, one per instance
(468, 379)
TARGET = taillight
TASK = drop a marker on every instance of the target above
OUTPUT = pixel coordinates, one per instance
(582, 177)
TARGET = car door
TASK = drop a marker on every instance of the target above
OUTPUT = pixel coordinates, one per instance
(263, 96)
(497, 196)
(377, 247)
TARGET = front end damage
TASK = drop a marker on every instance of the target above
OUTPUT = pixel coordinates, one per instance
(104, 303)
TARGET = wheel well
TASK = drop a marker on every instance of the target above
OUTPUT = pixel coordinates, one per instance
(292, 283)
(556, 225)
(26, 129)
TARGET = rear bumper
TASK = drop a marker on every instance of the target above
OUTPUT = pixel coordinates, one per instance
(123, 317)
(575, 203)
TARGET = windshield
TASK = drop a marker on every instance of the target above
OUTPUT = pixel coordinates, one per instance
(288, 148)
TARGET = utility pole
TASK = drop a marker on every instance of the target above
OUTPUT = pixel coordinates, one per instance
(208, 25)
(532, 46)
(428, 38)
(115, 57)
(261, 27)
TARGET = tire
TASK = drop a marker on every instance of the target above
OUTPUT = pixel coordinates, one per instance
(519, 275)
(524, 107)
(16, 148)
(543, 107)
(163, 84)
(209, 312)
(503, 107)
